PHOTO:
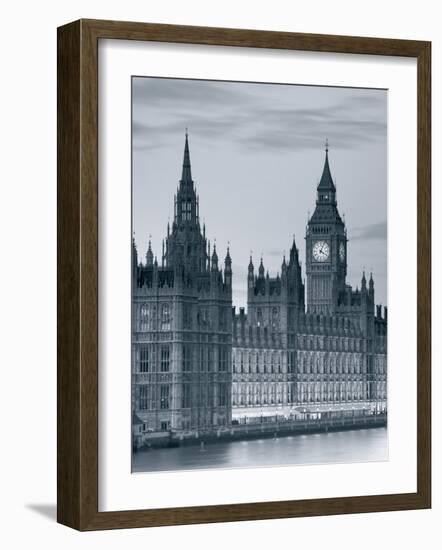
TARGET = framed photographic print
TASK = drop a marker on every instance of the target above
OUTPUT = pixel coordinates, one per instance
(243, 275)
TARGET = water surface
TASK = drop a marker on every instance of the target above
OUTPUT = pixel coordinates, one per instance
(334, 447)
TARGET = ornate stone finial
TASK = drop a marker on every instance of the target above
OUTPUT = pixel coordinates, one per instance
(251, 265)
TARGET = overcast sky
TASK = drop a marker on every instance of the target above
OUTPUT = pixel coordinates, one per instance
(257, 153)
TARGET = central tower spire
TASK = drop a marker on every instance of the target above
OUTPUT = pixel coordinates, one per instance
(326, 248)
(185, 244)
(326, 186)
(186, 177)
(186, 210)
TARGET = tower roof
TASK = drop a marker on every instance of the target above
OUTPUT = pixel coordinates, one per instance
(326, 182)
(186, 176)
(214, 258)
(149, 255)
(228, 259)
(293, 250)
(326, 210)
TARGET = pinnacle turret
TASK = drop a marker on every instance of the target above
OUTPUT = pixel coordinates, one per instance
(134, 257)
(261, 269)
(371, 287)
(228, 260)
(149, 255)
(214, 260)
(293, 252)
(363, 281)
(251, 267)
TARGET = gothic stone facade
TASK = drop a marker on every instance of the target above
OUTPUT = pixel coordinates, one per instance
(182, 326)
(195, 363)
(328, 359)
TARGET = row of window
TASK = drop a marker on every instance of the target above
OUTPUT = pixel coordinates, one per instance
(334, 391)
(202, 360)
(148, 317)
(151, 397)
(329, 343)
(186, 210)
(273, 394)
(245, 362)
(148, 400)
(265, 362)
(272, 317)
(322, 230)
(261, 394)
(380, 364)
(148, 314)
(146, 358)
(333, 363)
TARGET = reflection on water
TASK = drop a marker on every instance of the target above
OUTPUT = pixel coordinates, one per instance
(325, 448)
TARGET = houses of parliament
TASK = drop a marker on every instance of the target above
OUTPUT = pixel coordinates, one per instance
(199, 366)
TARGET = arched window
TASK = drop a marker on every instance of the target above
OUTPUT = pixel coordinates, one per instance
(143, 365)
(259, 316)
(275, 317)
(234, 394)
(145, 318)
(186, 210)
(165, 317)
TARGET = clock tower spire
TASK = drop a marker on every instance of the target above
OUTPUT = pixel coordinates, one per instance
(326, 248)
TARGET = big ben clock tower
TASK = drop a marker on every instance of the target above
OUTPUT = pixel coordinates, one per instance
(326, 248)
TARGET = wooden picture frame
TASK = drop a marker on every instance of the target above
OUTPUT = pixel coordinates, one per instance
(77, 226)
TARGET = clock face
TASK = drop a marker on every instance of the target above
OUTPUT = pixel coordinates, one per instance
(321, 251)
(342, 252)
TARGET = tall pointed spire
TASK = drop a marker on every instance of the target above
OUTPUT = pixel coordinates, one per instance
(186, 176)
(326, 181)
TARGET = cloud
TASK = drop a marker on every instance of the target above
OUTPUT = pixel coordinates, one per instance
(298, 117)
(186, 92)
(375, 231)
(274, 252)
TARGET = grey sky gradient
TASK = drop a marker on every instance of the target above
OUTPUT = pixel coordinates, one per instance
(257, 153)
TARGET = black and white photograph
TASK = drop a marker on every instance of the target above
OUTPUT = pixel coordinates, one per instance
(220, 216)
(259, 274)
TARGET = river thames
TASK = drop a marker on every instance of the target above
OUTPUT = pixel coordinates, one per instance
(366, 445)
